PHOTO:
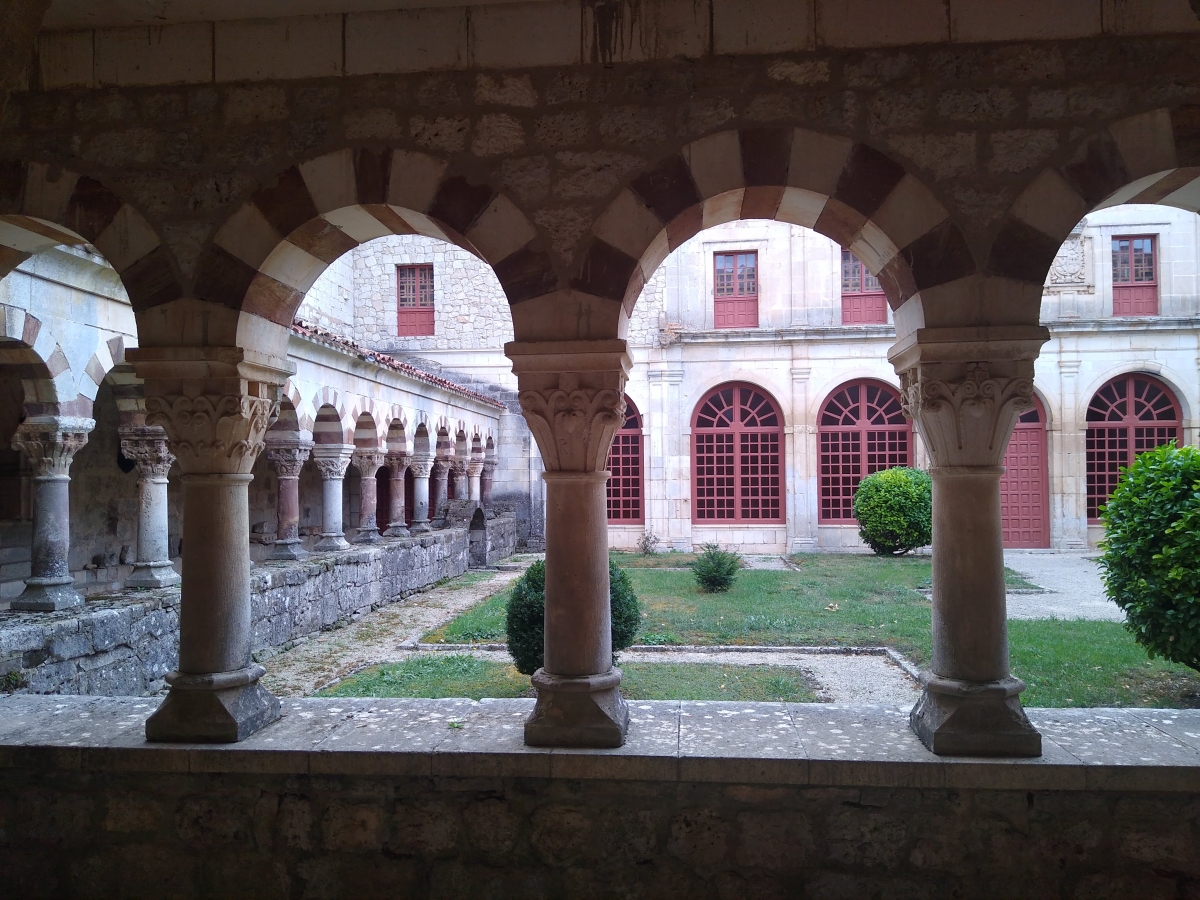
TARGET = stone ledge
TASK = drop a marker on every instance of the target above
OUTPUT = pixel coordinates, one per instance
(693, 742)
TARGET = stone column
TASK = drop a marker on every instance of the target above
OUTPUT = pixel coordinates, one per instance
(965, 395)
(288, 458)
(571, 394)
(458, 470)
(421, 467)
(368, 462)
(147, 447)
(397, 464)
(216, 424)
(487, 481)
(474, 473)
(50, 443)
(332, 460)
(439, 483)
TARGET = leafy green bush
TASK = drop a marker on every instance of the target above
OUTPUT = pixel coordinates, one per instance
(894, 509)
(1151, 552)
(527, 615)
(716, 568)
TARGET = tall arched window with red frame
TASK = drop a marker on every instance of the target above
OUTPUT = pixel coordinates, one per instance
(862, 429)
(737, 457)
(626, 464)
(1130, 414)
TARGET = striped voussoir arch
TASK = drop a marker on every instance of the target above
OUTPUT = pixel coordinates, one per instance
(305, 412)
(44, 206)
(268, 254)
(333, 424)
(849, 192)
(35, 355)
(1152, 157)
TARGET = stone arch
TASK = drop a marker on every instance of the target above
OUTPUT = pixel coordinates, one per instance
(48, 383)
(288, 421)
(266, 256)
(366, 432)
(330, 426)
(765, 381)
(396, 440)
(421, 439)
(43, 206)
(1152, 157)
(305, 413)
(847, 191)
(1154, 369)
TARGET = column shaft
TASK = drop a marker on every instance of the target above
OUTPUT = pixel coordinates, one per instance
(368, 462)
(147, 447)
(397, 465)
(288, 457)
(332, 461)
(421, 467)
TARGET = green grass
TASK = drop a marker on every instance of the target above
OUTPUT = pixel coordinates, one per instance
(669, 560)
(480, 624)
(454, 675)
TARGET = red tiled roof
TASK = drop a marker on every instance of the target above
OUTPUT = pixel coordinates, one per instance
(382, 359)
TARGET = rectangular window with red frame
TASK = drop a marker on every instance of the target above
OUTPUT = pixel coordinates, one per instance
(863, 300)
(414, 301)
(735, 290)
(1135, 276)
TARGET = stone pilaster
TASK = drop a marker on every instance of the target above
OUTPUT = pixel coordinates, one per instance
(368, 462)
(216, 427)
(49, 444)
(331, 461)
(288, 457)
(572, 396)
(421, 466)
(147, 447)
(965, 389)
(397, 464)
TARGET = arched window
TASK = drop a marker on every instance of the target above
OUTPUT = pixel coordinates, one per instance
(737, 457)
(1130, 414)
(862, 430)
(626, 502)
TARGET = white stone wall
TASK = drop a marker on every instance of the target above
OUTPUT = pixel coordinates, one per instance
(330, 303)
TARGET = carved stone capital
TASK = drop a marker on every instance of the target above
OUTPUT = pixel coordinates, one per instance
(368, 462)
(965, 420)
(288, 459)
(475, 468)
(458, 466)
(215, 433)
(51, 442)
(147, 448)
(422, 466)
(397, 463)
(332, 460)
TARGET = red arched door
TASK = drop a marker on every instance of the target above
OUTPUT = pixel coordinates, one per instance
(626, 500)
(862, 431)
(1130, 414)
(1025, 485)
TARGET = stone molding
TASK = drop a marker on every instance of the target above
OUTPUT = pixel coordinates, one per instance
(368, 462)
(332, 460)
(422, 466)
(966, 421)
(288, 459)
(50, 444)
(149, 450)
(214, 433)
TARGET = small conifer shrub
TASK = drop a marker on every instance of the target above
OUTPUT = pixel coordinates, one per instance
(715, 568)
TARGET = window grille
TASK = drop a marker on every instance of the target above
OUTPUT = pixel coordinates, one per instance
(735, 290)
(414, 301)
(626, 500)
(737, 457)
(1135, 276)
(862, 430)
(863, 299)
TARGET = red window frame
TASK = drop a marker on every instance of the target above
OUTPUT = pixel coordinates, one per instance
(863, 299)
(735, 289)
(1127, 416)
(414, 301)
(1135, 275)
(626, 465)
(861, 430)
(737, 457)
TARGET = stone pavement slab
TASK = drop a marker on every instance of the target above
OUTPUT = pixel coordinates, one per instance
(726, 741)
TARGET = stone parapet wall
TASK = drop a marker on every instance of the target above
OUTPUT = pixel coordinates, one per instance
(123, 643)
(364, 798)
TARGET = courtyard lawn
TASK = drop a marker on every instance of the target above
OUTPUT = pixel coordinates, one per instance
(458, 675)
(858, 600)
(670, 560)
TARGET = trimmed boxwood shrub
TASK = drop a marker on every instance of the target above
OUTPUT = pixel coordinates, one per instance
(527, 615)
(1151, 552)
(715, 568)
(894, 509)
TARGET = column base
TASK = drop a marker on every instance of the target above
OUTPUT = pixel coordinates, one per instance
(396, 531)
(582, 711)
(152, 575)
(288, 550)
(420, 527)
(965, 718)
(47, 595)
(221, 708)
(331, 542)
(368, 536)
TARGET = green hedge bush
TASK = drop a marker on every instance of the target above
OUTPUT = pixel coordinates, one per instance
(715, 568)
(527, 615)
(894, 509)
(1151, 552)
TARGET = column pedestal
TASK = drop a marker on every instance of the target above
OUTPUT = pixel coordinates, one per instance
(147, 447)
(50, 445)
(288, 458)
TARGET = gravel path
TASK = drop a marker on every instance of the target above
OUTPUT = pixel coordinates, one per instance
(1074, 589)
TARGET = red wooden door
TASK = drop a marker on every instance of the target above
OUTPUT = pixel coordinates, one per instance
(1025, 485)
